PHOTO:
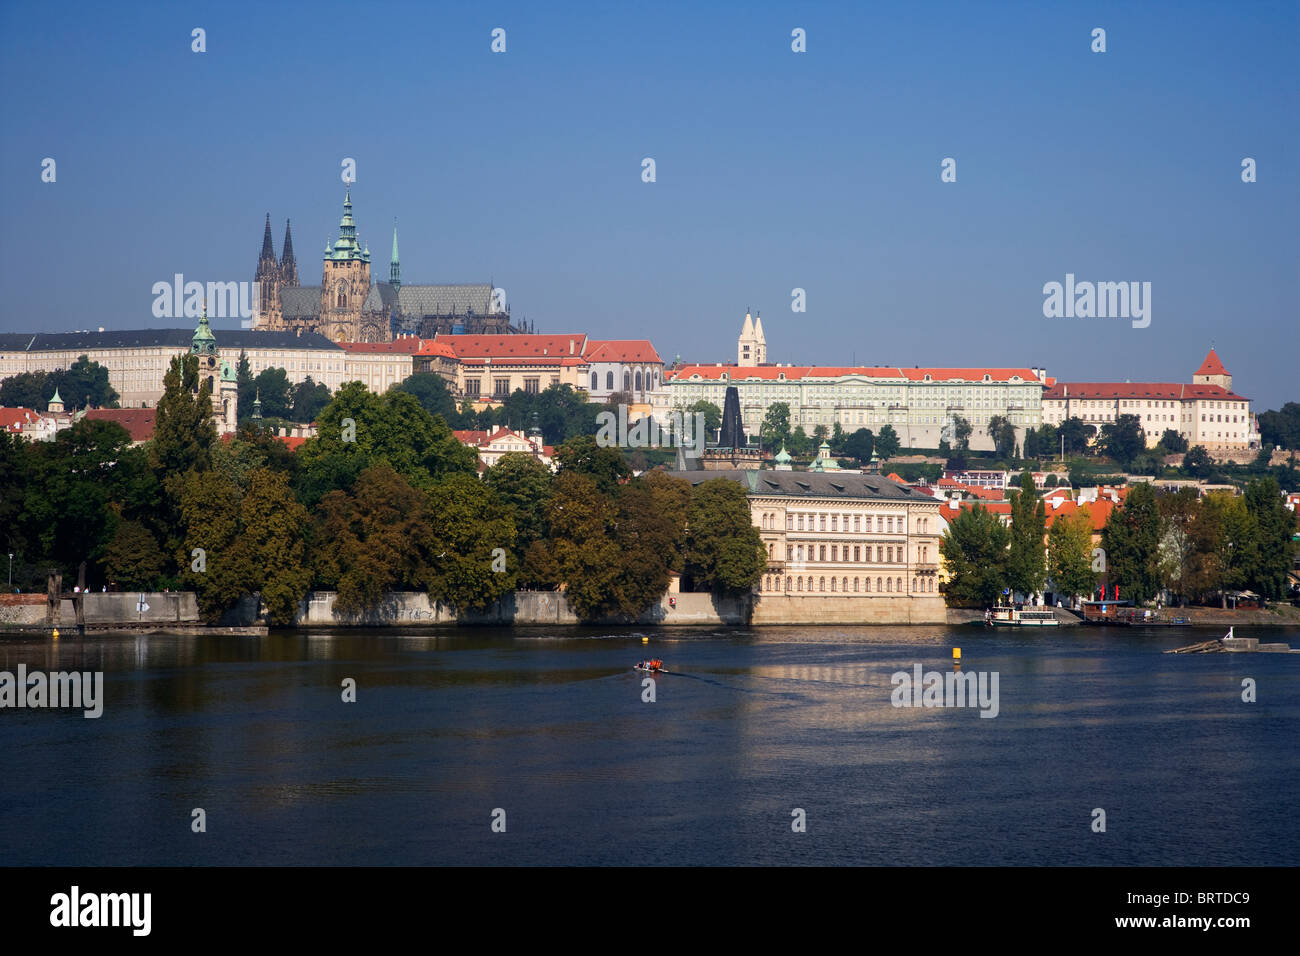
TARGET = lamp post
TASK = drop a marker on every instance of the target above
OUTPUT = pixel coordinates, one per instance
(11, 569)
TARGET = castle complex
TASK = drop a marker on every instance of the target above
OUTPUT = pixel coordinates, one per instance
(348, 307)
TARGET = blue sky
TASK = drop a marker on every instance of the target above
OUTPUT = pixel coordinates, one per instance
(775, 170)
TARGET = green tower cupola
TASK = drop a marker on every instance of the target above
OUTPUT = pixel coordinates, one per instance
(204, 342)
(347, 247)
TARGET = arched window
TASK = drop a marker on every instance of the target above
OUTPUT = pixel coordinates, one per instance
(627, 380)
(844, 584)
(799, 581)
(889, 584)
(822, 584)
(867, 588)
(855, 585)
(595, 381)
(899, 585)
(810, 587)
(787, 585)
(609, 381)
(914, 584)
(832, 584)
(638, 380)
(343, 300)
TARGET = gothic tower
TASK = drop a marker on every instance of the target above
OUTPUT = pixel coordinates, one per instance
(346, 282)
(267, 281)
(288, 264)
(395, 265)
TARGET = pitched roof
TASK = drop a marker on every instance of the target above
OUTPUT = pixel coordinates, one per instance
(1154, 390)
(13, 419)
(516, 346)
(808, 484)
(300, 301)
(430, 347)
(1211, 365)
(621, 350)
(227, 340)
(139, 422)
(402, 345)
(474, 298)
(895, 373)
(473, 436)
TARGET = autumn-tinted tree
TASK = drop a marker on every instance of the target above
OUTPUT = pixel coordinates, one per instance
(1224, 533)
(371, 538)
(1175, 558)
(724, 551)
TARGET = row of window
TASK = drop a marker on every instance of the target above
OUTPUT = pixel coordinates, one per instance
(630, 382)
(885, 553)
(774, 583)
(884, 524)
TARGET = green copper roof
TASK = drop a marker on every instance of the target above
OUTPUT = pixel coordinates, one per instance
(346, 247)
(204, 340)
(227, 372)
(783, 457)
(56, 396)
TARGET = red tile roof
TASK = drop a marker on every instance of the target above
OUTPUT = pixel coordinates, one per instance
(1157, 390)
(621, 350)
(430, 347)
(476, 436)
(13, 419)
(898, 373)
(404, 345)
(516, 346)
(1211, 365)
(139, 422)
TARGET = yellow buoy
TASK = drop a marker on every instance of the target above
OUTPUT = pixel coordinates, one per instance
(645, 640)
(56, 633)
(956, 653)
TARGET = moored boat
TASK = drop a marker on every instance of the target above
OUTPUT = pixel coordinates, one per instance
(1013, 616)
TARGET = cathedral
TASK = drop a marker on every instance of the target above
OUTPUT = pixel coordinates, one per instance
(348, 307)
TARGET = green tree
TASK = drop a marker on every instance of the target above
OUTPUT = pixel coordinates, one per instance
(308, 399)
(1025, 560)
(183, 432)
(1041, 442)
(246, 391)
(1281, 428)
(469, 523)
(838, 438)
(1131, 540)
(724, 551)
(860, 445)
(1176, 554)
(524, 485)
(1275, 527)
(649, 537)
(584, 552)
(1197, 462)
(1069, 554)
(975, 550)
(1076, 434)
(212, 565)
(133, 559)
(432, 392)
(820, 434)
(887, 443)
(31, 390)
(1123, 439)
(1173, 442)
(775, 430)
(1003, 434)
(603, 465)
(271, 547)
(359, 429)
(85, 382)
(961, 431)
(712, 415)
(273, 387)
(1224, 535)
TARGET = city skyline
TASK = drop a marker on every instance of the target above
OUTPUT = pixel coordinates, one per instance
(1123, 166)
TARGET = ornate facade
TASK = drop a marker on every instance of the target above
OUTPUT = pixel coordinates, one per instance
(348, 307)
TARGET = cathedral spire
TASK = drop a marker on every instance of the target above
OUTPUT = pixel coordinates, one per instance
(288, 264)
(395, 264)
(266, 261)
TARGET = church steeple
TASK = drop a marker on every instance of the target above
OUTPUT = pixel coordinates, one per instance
(267, 258)
(288, 264)
(346, 246)
(395, 264)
